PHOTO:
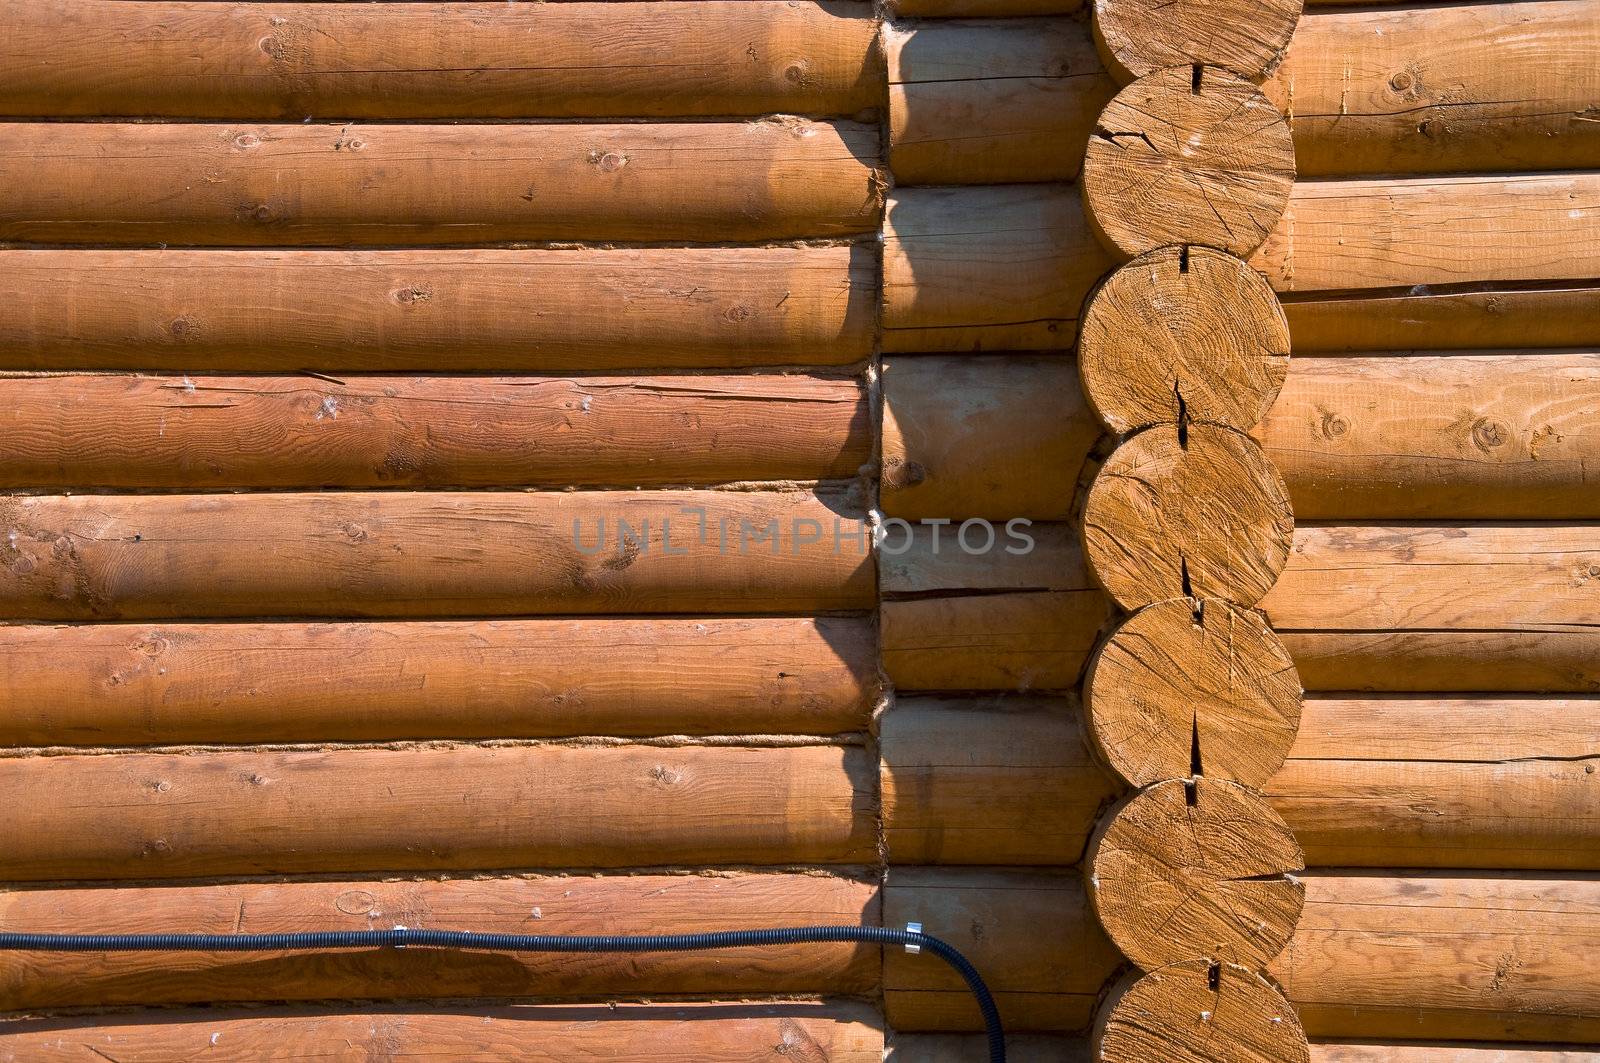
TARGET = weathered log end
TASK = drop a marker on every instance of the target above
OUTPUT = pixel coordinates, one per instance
(1188, 155)
(1183, 332)
(1198, 1012)
(1137, 37)
(1187, 511)
(1196, 869)
(1187, 684)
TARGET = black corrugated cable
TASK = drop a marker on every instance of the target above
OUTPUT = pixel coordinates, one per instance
(401, 937)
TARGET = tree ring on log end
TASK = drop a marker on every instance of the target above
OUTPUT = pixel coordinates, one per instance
(1198, 1012)
(1183, 332)
(1196, 869)
(1248, 37)
(1189, 680)
(1191, 511)
(1188, 156)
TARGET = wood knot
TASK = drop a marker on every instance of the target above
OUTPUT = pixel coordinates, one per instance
(272, 47)
(795, 73)
(246, 141)
(417, 293)
(736, 313)
(665, 776)
(1487, 434)
(355, 532)
(1333, 425)
(183, 327)
(356, 902)
(607, 161)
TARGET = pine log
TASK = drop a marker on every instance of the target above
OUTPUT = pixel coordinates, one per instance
(974, 1048)
(995, 437)
(431, 554)
(1422, 781)
(1197, 1012)
(1183, 333)
(951, 795)
(213, 432)
(1343, 235)
(1560, 660)
(1186, 156)
(1178, 511)
(615, 904)
(1461, 87)
(291, 61)
(1492, 957)
(992, 268)
(172, 684)
(1460, 317)
(366, 185)
(842, 1032)
(998, 621)
(437, 310)
(979, 102)
(1139, 37)
(982, 8)
(1030, 932)
(1503, 435)
(163, 815)
(1189, 687)
(1195, 869)
(1060, 1048)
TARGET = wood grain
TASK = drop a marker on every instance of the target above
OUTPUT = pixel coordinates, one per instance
(430, 554)
(982, 8)
(371, 185)
(240, 683)
(181, 59)
(165, 815)
(1460, 317)
(1138, 37)
(1197, 1012)
(436, 310)
(1560, 659)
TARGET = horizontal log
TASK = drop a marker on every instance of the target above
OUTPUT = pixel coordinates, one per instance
(1460, 317)
(1444, 782)
(1492, 957)
(218, 683)
(843, 1032)
(179, 59)
(990, 268)
(431, 554)
(981, 102)
(974, 1048)
(996, 437)
(215, 432)
(1348, 234)
(616, 904)
(1001, 620)
(952, 794)
(161, 815)
(1505, 435)
(1061, 1048)
(437, 310)
(1566, 659)
(340, 185)
(1030, 932)
(982, 8)
(1463, 87)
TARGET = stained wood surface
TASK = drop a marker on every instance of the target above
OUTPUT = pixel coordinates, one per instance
(996, 268)
(1340, 235)
(1138, 37)
(1183, 333)
(1030, 932)
(1491, 957)
(161, 684)
(1560, 659)
(365, 185)
(429, 554)
(1461, 317)
(984, 780)
(436, 310)
(216, 432)
(999, 621)
(974, 1048)
(992, 101)
(1186, 154)
(1197, 511)
(982, 8)
(614, 904)
(1195, 869)
(1420, 781)
(1061, 1048)
(1197, 1012)
(166, 815)
(425, 60)
(1186, 686)
(1460, 87)
(1503, 435)
(995, 437)
(845, 1032)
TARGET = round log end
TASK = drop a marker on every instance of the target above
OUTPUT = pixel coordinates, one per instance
(1247, 37)
(1189, 684)
(1194, 511)
(1196, 869)
(1198, 1012)
(1190, 155)
(1183, 332)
